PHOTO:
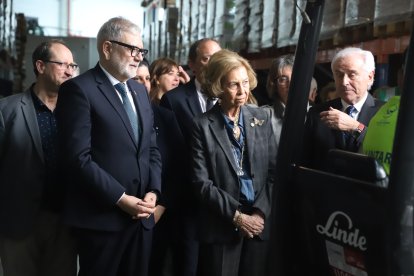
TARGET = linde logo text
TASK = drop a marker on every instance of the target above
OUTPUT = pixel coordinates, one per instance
(344, 231)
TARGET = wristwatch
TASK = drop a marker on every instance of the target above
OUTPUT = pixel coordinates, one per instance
(360, 128)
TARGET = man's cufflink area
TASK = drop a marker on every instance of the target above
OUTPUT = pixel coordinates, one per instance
(360, 128)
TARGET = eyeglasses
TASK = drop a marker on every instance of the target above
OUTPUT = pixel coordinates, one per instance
(63, 65)
(282, 80)
(134, 50)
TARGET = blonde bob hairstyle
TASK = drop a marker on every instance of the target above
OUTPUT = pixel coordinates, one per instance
(220, 64)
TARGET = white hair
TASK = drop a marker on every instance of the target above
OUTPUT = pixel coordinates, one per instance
(367, 56)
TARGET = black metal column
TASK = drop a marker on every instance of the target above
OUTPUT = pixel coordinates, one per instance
(284, 254)
(400, 201)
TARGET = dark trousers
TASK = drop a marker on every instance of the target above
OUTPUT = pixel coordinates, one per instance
(48, 250)
(161, 261)
(175, 248)
(121, 253)
(187, 248)
(244, 257)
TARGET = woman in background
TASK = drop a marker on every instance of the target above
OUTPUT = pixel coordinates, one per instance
(170, 142)
(165, 74)
(277, 85)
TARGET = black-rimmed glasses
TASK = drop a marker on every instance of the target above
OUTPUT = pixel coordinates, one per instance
(63, 65)
(134, 50)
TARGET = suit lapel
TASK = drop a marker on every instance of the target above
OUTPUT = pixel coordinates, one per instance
(251, 130)
(139, 98)
(110, 94)
(367, 111)
(192, 99)
(218, 130)
(30, 117)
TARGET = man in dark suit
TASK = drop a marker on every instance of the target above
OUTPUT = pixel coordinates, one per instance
(342, 123)
(113, 164)
(33, 239)
(188, 101)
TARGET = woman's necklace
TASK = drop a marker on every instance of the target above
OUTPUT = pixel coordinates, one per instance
(236, 128)
(240, 171)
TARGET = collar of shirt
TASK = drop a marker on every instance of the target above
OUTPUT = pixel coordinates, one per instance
(114, 81)
(111, 78)
(38, 104)
(358, 105)
(197, 85)
(202, 97)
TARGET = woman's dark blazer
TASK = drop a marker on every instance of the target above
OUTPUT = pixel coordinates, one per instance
(214, 171)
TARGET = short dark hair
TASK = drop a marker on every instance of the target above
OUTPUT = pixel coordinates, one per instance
(144, 62)
(192, 54)
(42, 52)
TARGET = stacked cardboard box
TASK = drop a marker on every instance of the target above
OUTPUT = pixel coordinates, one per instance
(269, 33)
(241, 26)
(255, 26)
(390, 11)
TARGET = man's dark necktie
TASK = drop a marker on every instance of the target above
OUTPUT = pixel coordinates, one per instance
(348, 136)
(210, 103)
(350, 110)
(133, 118)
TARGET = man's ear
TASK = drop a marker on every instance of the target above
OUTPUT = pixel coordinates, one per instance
(371, 76)
(107, 49)
(40, 66)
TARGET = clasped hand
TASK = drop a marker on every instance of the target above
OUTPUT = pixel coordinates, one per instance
(251, 225)
(136, 207)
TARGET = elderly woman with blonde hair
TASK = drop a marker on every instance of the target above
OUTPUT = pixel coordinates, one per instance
(233, 163)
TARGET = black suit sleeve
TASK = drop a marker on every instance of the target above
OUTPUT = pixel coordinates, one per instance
(165, 102)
